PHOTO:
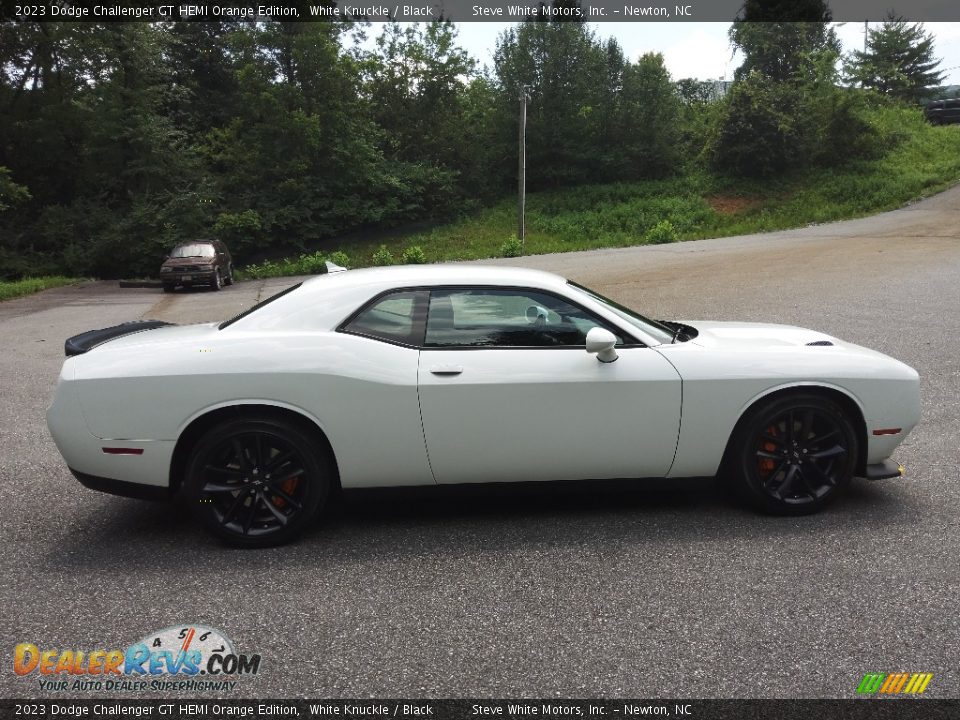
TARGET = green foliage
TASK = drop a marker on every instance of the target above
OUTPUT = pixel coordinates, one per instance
(611, 119)
(119, 140)
(898, 62)
(339, 257)
(241, 230)
(778, 50)
(662, 232)
(28, 286)
(382, 256)
(10, 193)
(511, 248)
(414, 255)
(758, 133)
(312, 264)
(305, 264)
(768, 126)
(916, 159)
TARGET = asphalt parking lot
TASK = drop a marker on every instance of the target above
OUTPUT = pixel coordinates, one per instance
(643, 590)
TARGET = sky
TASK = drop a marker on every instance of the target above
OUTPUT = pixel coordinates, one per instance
(699, 50)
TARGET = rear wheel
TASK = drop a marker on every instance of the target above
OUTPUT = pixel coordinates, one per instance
(794, 455)
(257, 482)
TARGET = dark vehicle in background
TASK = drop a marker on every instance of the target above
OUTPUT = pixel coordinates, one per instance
(942, 112)
(200, 262)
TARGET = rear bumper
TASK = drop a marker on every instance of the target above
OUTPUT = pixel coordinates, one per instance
(121, 487)
(883, 470)
(85, 453)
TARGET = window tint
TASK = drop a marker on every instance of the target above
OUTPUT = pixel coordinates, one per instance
(484, 317)
(395, 318)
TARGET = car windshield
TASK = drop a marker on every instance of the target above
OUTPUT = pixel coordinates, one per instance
(651, 327)
(193, 250)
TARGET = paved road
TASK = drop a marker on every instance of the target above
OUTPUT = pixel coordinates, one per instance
(649, 591)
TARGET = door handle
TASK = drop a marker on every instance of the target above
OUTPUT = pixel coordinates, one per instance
(446, 369)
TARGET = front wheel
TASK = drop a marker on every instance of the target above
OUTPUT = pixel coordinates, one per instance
(217, 282)
(794, 455)
(257, 482)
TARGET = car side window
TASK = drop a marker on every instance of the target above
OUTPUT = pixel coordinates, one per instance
(495, 317)
(397, 317)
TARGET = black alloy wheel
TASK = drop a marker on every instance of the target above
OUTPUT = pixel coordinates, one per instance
(217, 282)
(796, 454)
(257, 482)
(229, 279)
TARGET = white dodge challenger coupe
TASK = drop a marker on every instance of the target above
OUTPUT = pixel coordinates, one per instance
(436, 374)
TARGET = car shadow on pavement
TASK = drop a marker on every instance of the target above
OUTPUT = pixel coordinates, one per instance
(381, 523)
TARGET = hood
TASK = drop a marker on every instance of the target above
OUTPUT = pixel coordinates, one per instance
(714, 334)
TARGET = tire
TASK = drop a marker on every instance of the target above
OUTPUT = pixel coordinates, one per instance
(232, 484)
(229, 280)
(793, 455)
(217, 282)
(168, 288)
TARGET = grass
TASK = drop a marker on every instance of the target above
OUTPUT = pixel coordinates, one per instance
(921, 160)
(28, 286)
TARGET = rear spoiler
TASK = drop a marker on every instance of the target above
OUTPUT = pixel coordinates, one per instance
(79, 344)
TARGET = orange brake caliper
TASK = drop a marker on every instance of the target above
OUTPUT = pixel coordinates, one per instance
(766, 464)
(288, 486)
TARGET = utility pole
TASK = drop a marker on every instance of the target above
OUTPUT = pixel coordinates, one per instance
(522, 174)
(866, 33)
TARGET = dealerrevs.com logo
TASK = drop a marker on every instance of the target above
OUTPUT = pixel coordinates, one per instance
(183, 657)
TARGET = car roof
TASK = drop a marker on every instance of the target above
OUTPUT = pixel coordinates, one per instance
(323, 301)
(438, 274)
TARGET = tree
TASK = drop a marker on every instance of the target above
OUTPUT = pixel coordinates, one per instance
(649, 109)
(10, 193)
(898, 61)
(417, 88)
(776, 35)
(593, 116)
(563, 66)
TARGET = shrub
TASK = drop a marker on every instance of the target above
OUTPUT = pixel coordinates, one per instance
(758, 133)
(383, 256)
(340, 258)
(414, 255)
(240, 231)
(511, 248)
(312, 264)
(662, 232)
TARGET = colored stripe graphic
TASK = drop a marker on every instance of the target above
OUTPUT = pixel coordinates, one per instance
(871, 682)
(894, 683)
(923, 679)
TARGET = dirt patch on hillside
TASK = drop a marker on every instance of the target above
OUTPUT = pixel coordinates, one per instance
(732, 204)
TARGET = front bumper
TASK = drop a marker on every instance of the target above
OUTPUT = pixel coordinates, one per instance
(884, 470)
(203, 277)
